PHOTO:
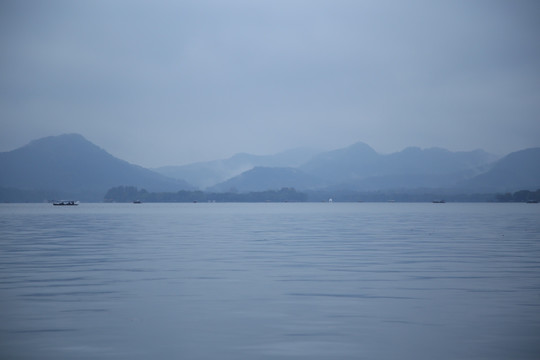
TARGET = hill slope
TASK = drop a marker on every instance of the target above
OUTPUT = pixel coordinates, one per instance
(71, 164)
(268, 178)
(209, 173)
(418, 168)
(519, 170)
(340, 165)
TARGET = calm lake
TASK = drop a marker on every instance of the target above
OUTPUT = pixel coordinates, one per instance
(270, 281)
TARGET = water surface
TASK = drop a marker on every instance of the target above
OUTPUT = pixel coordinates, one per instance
(270, 281)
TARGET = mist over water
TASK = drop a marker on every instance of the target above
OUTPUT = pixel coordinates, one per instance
(270, 281)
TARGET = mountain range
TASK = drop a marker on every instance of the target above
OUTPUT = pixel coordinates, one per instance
(360, 168)
(210, 173)
(70, 166)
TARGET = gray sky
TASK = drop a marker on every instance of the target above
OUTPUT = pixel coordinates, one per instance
(172, 82)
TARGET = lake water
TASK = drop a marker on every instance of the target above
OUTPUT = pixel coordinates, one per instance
(270, 281)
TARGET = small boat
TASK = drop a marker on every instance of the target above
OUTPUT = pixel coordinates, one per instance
(438, 201)
(66, 203)
(532, 201)
(137, 202)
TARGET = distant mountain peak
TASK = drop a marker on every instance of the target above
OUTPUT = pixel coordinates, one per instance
(418, 150)
(69, 163)
(68, 141)
(412, 149)
(62, 137)
(360, 146)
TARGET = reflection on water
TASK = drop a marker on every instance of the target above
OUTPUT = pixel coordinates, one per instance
(270, 281)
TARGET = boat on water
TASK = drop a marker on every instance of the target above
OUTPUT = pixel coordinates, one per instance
(65, 203)
(439, 201)
(137, 202)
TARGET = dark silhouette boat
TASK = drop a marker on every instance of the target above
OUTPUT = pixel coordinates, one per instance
(65, 203)
(439, 201)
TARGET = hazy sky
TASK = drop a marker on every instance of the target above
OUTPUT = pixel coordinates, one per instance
(172, 82)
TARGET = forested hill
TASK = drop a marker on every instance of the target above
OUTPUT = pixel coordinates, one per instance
(123, 194)
(131, 193)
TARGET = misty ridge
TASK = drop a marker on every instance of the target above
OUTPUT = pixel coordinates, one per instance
(69, 166)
